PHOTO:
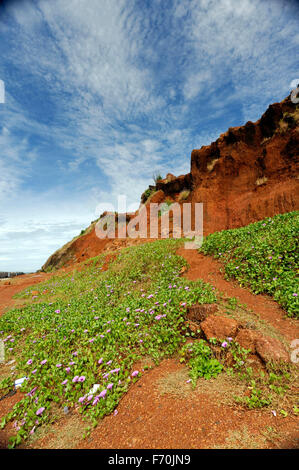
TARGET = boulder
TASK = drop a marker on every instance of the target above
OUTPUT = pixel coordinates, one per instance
(267, 348)
(271, 350)
(219, 327)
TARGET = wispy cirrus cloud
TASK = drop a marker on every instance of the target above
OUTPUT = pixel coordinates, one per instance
(101, 94)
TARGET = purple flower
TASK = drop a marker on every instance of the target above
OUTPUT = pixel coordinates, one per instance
(95, 401)
(224, 344)
(64, 382)
(82, 378)
(29, 361)
(58, 365)
(57, 311)
(103, 393)
(30, 394)
(40, 411)
(135, 373)
(34, 371)
(81, 399)
(100, 361)
(295, 295)
(43, 362)
(75, 379)
(109, 386)
(68, 369)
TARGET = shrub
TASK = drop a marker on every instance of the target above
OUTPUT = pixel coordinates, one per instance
(263, 256)
(157, 177)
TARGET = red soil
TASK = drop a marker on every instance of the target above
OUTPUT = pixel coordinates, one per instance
(208, 269)
(16, 285)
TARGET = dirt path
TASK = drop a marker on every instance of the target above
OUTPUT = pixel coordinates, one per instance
(17, 284)
(208, 269)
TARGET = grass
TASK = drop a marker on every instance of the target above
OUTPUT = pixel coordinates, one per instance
(263, 256)
(99, 326)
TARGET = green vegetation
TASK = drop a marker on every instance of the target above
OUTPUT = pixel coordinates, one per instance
(147, 194)
(263, 256)
(94, 329)
(157, 177)
(94, 326)
(201, 361)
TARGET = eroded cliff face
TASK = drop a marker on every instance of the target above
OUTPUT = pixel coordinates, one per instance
(249, 173)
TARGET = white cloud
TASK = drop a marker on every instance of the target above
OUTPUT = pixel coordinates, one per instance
(131, 91)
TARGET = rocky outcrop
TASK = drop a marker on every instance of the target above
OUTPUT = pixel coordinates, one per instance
(219, 327)
(248, 173)
(267, 348)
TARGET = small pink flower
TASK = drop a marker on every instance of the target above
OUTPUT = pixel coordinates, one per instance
(109, 386)
(135, 373)
(43, 362)
(75, 379)
(95, 401)
(82, 378)
(32, 430)
(100, 361)
(103, 393)
(64, 382)
(40, 411)
(29, 361)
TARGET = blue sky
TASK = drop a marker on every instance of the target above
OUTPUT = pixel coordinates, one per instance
(100, 94)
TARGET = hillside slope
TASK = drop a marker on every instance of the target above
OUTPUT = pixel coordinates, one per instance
(249, 173)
